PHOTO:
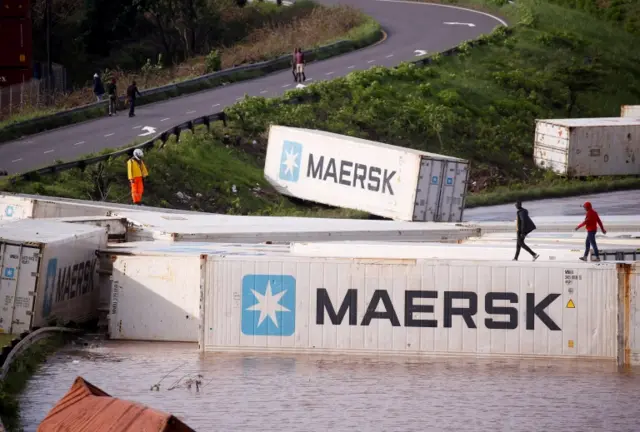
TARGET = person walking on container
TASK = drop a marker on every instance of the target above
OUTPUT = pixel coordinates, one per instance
(299, 56)
(591, 222)
(98, 88)
(112, 91)
(132, 92)
(137, 172)
(524, 226)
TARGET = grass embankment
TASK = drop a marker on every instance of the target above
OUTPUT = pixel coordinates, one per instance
(480, 104)
(273, 31)
(21, 370)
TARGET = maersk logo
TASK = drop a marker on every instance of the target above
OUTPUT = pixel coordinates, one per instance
(290, 161)
(268, 305)
(9, 273)
(52, 268)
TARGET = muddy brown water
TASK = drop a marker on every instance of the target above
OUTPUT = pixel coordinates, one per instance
(242, 392)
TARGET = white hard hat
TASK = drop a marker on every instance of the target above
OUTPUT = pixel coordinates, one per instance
(137, 153)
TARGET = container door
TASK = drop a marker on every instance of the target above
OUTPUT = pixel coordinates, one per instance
(454, 189)
(428, 190)
(17, 287)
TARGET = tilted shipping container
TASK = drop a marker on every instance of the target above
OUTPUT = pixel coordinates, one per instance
(588, 147)
(16, 37)
(15, 9)
(381, 179)
(48, 273)
(415, 307)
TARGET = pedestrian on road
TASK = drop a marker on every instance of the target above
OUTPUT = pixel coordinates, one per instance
(112, 91)
(299, 56)
(132, 92)
(524, 226)
(98, 88)
(293, 65)
(591, 221)
(137, 172)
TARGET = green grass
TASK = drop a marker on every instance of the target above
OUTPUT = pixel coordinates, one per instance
(5, 339)
(19, 373)
(480, 104)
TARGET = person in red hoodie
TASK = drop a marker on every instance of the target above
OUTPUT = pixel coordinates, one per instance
(591, 221)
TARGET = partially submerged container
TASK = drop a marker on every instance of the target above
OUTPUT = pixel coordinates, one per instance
(588, 147)
(48, 273)
(630, 111)
(381, 179)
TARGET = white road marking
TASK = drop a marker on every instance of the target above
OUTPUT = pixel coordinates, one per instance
(16, 160)
(79, 143)
(420, 52)
(48, 151)
(263, 92)
(350, 67)
(501, 21)
(390, 55)
(286, 85)
(165, 119)
(329, 73)
(370, 61)
(137, 127)
(190, 112)
(108, 135)
(213, 106)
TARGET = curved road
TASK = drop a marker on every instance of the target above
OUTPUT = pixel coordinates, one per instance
(409, 26)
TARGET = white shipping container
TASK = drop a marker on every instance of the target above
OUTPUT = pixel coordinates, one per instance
(48, 273)
(323, 305)
(588, 147)
(381, 179)
(256, 229)
(156, 287)
(630, 111)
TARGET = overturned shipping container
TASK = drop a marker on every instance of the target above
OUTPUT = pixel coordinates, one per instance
(588, 147)
(48, 273)
(381, 179)
(415, 306)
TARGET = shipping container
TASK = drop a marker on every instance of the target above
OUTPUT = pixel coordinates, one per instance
(257, 229)
(617, 224)
(156, 287)
(48, 273)
(588, 147)
(389, 181)
(15, 9)
(16, 37)
(630, 111)
(404, 306)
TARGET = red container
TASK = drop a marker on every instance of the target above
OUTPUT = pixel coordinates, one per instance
(15, 8)
(9, 77)
(17, 41)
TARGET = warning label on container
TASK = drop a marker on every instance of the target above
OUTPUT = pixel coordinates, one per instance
(570, 304)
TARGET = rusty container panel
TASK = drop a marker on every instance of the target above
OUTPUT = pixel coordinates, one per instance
(15, 9)
(17, 40)
(630, 278)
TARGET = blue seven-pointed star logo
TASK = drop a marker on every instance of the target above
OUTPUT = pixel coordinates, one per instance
(268, 305)
(290, 161)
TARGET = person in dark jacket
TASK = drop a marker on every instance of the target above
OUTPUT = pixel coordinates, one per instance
(112, 91)
(524, 226)
(98, 88)
(132, 92)
(591, 222)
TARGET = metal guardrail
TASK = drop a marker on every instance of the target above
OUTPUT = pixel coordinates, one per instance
(188, 125)
(27, 341)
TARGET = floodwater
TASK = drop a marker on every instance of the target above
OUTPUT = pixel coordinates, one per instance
(242, 392)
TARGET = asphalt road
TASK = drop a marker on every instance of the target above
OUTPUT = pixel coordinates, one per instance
(409, 26)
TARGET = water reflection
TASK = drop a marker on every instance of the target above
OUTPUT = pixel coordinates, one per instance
(313, 393)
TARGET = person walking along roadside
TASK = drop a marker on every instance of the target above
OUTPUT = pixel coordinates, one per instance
(132, 92)
(112, 91)
(524, 226)
(299, 59)
(591, 222)
(98, 88)
(137, 172)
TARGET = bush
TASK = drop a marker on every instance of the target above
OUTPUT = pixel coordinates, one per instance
(212, 62)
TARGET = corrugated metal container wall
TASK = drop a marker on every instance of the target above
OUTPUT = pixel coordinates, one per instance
(410, 307)
(589, 147)
(630, 111)
(377, 178)
(155, 298)
(16, 38)
(13, 207)
(14, 9)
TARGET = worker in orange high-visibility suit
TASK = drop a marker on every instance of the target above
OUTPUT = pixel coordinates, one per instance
(137, 171)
